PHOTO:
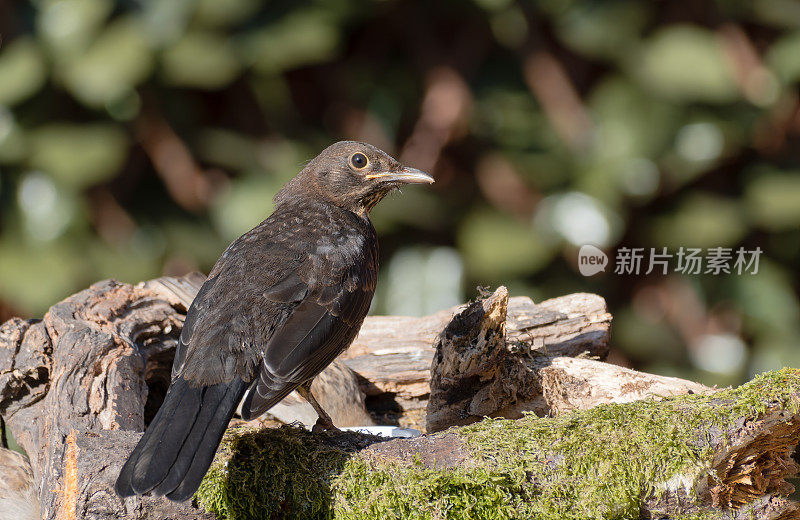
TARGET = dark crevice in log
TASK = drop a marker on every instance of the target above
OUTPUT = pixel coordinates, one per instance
(24, 364)
(158, 372)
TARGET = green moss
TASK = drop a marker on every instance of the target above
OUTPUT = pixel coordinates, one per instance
(597, 463)
(271, 473)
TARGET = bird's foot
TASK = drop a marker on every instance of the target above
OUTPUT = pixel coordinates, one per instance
(324, 422)
(324, 425)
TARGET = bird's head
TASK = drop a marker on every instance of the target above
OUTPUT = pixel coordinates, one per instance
(353, 175)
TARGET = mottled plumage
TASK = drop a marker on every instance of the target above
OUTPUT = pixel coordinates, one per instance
(280, 304)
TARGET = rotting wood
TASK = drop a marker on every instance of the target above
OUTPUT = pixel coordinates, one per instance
(393, 354)
(484, 367)
(75, 383)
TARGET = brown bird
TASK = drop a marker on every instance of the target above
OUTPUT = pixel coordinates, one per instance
(280, 304)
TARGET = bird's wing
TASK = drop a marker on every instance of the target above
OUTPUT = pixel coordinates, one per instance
(322, 325)
(230, 317)
(275, 315)
(189, 325)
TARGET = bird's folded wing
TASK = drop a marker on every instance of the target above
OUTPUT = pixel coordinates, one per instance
(294, 309)
(189, 325)
(309, 340)
(233, 314)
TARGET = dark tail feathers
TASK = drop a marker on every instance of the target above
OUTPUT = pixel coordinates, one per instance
(175, 452)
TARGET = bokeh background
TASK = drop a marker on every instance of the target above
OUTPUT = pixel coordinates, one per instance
(140, 137)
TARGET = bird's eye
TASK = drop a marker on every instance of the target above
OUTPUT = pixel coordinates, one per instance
(359, 161)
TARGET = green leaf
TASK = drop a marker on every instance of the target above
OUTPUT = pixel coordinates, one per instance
(78, 155)
(701, 220)
(246, 203)
(13, 141)
(22, 70)
(782, 57)
(630, 123)
(768, 300)
(300, 38)
(216, 13)
(111, 68)
(34, 278)
(772, 200)
(69, 26)
(605, 29)
(200, 59)
(495, 246)
(686, 63)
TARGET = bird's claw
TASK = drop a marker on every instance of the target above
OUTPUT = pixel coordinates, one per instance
(323, 425)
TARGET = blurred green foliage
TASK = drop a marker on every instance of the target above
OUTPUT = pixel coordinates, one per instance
(140, 138)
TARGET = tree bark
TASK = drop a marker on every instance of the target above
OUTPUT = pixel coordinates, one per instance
(74, 391)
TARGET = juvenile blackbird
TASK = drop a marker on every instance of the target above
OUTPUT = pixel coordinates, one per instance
(281, 303)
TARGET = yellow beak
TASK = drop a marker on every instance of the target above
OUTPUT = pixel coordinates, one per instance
(406, 175)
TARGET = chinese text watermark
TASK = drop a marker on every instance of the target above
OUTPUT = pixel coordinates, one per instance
(686, 260)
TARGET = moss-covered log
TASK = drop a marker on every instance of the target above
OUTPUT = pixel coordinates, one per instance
(717, 455)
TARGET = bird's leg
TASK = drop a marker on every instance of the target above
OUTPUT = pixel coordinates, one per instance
(324, 421)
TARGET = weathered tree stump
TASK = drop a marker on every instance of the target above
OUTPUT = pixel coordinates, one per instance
(393, 354)
(74, 391)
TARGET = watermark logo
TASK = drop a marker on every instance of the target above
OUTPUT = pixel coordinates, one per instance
(639, 260)
(591, 260)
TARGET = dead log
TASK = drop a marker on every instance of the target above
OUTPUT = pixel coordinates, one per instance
(393, 354)
(720, 455)
(485, 366)
(74, 391)
(95, 369)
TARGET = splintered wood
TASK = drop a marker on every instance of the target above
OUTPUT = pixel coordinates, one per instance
(493, 362)
(68, 493)
(474, 374)
(758, 468)
(393, 355)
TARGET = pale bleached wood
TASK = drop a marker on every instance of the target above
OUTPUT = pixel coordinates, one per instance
(565, 384)
(393, 354)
